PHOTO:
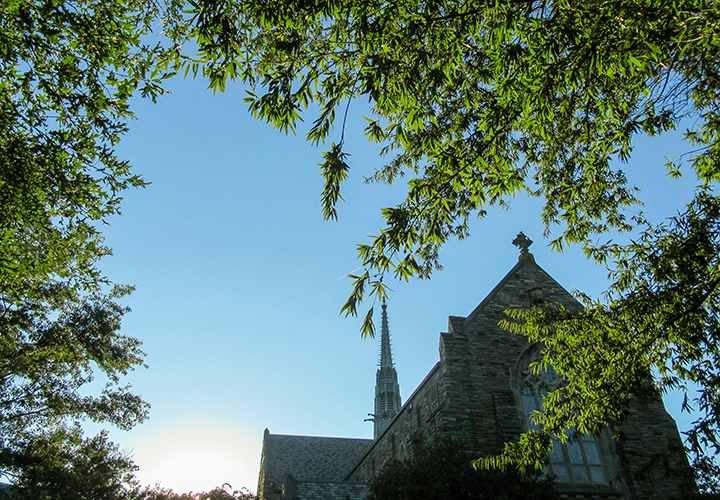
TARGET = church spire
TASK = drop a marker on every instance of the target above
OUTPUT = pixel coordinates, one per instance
(385, 349)
(387, 389)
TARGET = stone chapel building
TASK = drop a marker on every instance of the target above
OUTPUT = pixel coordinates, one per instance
(480, 393)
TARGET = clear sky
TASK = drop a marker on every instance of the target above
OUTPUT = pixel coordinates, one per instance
(240, 282)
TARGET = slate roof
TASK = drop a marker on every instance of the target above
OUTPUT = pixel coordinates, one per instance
(309, 458)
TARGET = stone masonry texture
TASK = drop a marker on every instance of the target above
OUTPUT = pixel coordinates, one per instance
(472, 395)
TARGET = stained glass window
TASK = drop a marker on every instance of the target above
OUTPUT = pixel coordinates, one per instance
(578, 459)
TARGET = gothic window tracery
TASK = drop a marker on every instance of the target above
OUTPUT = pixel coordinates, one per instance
(578, 459)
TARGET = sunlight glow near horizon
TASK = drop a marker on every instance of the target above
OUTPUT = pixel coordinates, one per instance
(196, 460)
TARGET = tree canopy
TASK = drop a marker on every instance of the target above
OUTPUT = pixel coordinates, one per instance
(475, 102)
(67, 72)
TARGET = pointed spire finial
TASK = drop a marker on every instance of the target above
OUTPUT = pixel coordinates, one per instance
(387, 389)
(385, 348)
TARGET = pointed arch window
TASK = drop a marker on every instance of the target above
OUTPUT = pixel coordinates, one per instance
(578, 459)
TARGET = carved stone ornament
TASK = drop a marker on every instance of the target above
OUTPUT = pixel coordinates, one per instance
(522, 242)
(536, 295)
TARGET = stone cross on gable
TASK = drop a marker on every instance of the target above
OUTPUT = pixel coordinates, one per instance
(522, 242)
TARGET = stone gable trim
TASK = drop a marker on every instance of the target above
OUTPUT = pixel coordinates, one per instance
(521, 263)
(532, 276)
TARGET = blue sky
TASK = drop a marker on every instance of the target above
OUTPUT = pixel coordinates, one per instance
(240, 282)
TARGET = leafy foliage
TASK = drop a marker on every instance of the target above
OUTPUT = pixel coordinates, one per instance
(65, 465)
(707, 473)
(67, 72)
(477, 101)
(444, 471)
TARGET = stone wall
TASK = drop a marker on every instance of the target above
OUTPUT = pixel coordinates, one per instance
(472, 396)
(649, 447)
(419, 421)
(484, 410)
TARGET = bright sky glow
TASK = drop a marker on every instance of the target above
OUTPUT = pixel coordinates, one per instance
(196, 458)
(239, 284)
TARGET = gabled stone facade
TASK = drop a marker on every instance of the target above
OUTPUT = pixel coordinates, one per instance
(476, 394)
